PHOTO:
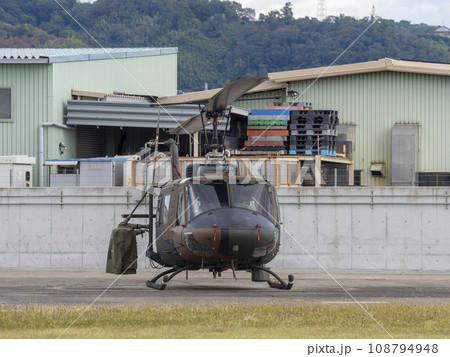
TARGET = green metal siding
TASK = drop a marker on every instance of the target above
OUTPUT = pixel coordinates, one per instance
(30, 108)
(156, 75)
(375, 102)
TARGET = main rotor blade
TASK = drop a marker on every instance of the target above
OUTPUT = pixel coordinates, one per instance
(190, 126)
(227, 95)
(219, 102)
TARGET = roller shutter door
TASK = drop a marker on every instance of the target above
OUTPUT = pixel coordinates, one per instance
(91, 142)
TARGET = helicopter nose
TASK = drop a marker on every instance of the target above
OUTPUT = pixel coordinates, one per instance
(236, 218)
(250, 242)
(238, 233)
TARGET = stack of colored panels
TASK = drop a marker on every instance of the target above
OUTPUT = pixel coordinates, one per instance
(313, 132)
(267, 129)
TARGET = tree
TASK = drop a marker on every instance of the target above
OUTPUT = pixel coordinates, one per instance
(287, 12)
(217, 40)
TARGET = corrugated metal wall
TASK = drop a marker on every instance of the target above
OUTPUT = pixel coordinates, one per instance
(156, 75)
(375, 102)
(30, 108)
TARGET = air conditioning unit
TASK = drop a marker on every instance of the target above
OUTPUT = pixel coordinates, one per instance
(16, 171)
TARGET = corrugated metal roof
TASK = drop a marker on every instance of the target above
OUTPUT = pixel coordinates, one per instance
(57, 55)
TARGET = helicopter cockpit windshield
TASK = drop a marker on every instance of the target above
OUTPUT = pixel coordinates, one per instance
(216, 194)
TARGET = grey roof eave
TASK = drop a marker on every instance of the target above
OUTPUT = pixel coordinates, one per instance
(33, 56)
(25, 61)
(113, 55)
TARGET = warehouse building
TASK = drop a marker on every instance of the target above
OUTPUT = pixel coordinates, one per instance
(36, 84)
(394, 116)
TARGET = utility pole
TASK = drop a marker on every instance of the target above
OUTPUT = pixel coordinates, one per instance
(321, 10)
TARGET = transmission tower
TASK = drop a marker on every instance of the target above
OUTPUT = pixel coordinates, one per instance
(321, 10)
(373, 14)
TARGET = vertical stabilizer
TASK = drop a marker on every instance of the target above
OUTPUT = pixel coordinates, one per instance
(175, 161)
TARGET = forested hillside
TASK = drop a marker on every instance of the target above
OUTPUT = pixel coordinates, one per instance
(217, 40)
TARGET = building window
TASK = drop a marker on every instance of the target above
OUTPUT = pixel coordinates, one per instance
(434, 179)
(6, 105)
(357, 177)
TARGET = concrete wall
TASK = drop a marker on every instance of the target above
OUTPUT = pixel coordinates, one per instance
(365, 228)
(62, 228)
(379, 228)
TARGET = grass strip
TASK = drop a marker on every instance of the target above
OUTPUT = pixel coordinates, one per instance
(228, 321)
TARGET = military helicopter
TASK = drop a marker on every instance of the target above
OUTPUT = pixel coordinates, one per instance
(213, 218)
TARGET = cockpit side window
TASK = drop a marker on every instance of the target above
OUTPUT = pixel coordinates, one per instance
(181, 220)
(165, 209)
(276, 210)
(162, 213)
(158, 211)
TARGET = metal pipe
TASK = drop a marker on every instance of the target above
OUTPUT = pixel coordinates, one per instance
(41, 147)
(365, 203)
(353, 196)
(67, 196)
(64, 204)
(280, 196)
(281, 203)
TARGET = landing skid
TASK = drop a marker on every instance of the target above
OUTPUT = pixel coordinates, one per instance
(280, 284)
(166, 278)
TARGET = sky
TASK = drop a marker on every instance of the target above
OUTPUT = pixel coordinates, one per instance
(431, 12)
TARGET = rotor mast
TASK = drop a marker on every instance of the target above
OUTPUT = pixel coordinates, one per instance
(215, 109)
(215, 135)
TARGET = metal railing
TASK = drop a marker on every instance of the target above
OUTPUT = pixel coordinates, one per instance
(65, 199)
(367, 199)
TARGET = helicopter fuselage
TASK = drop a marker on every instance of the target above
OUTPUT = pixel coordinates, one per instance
(216, 223)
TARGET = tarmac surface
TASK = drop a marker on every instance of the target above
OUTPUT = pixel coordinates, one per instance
(72, 287)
